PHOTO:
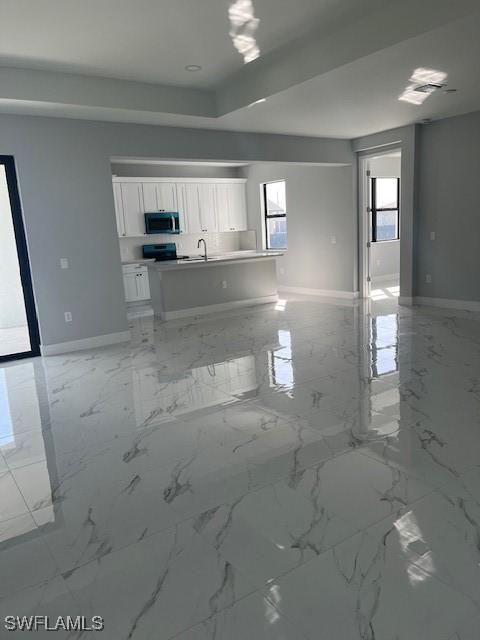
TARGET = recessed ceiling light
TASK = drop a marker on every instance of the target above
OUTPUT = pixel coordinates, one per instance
(193, 67)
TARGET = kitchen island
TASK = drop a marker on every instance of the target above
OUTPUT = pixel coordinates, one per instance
(183, 288)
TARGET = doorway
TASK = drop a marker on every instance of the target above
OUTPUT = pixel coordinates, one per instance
(19, 336)
(380, 224)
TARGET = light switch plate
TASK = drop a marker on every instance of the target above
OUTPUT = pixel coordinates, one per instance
(63, 263)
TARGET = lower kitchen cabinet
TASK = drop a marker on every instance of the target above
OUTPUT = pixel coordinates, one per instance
(135, 282)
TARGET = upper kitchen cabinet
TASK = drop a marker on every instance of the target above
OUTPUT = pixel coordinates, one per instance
(132, 209)
(189, 207)
(231, 207)
(119, 215)
(204, 205)
(160, 196)
(223, 208)
(237, 207)
(208, 208)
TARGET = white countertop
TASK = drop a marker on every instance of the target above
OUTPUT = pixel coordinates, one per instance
(199, 262)
(140, 261)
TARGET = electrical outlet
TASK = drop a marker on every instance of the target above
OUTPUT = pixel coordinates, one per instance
(224, 284)
(63, 263)
(282, 271)
(428, 278)
(432, 235)
(68, 316)
(333, 239)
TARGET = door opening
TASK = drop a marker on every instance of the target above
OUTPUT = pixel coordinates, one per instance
(380, 225)
(19, 336)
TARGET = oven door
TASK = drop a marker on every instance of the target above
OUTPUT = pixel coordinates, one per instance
(161, 223)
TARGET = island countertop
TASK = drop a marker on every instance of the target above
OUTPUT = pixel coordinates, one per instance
(214, 260)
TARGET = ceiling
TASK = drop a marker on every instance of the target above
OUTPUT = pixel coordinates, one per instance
(153, 40)
(331, 68)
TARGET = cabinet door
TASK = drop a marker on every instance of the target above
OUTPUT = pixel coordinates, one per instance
(130, 285)
(237, 207)
(117, 195)
(150, 200)
(223, 207)
(180, 199)
(208, 210)
(167, 196)
(143, 288)
(133, 208)
(191, 208)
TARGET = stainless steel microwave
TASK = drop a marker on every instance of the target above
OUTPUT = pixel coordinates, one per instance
(162, 222)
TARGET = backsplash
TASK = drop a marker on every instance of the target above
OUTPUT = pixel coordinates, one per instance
(131, 248)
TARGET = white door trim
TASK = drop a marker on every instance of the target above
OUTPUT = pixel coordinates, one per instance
(364, 228)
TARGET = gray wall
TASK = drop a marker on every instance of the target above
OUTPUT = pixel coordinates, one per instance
(172, 171)
(448, 203)
(320, 204)
(64, 177)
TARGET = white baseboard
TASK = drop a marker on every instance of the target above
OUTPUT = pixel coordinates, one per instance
(448, 303)
(405, 300)
(328, 293)
(85, 343)
(212, 308)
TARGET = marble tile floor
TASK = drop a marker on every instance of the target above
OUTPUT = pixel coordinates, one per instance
(305, 470)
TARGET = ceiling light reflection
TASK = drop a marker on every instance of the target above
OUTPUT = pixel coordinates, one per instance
(412, 96)
(243, 25)
(428, 76)
(423, 82)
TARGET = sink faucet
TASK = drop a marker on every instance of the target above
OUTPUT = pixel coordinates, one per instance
(204, 246)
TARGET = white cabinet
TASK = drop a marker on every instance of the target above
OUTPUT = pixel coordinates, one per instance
(135, 282)
(167, 196)
(204, 206)
(223, 217)
(237, 207)
(150, 200)
(130, 286)
(208, 209)
(189, 207)
(133, 208)
(119, 215)
(231, 207)
(159, 196)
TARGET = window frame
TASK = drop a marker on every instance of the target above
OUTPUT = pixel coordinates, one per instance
(267, 217)
(374, 210)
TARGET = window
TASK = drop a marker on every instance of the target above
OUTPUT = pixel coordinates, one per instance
(385, 198)
(275, 209)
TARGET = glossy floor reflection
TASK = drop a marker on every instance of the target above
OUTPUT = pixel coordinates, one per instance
(308, 469)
